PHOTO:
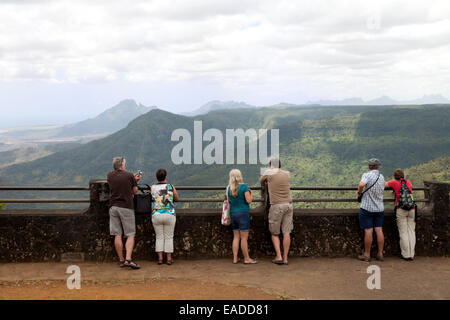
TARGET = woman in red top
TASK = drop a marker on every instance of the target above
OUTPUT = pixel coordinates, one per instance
(405, 218)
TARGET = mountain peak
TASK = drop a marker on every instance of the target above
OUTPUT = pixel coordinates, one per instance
(214, 105)
(385, 100)
(110, 120)
(127, 102)
(124, 104)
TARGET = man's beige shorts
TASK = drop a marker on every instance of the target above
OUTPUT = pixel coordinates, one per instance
(280, 217)
(122, 220)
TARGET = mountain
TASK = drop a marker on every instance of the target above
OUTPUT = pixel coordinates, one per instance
(385, 100)
(319, 145)
(30, 143)
(218, 105)
(343, 102)
(354, 101)
(429, 99)
(109, 121)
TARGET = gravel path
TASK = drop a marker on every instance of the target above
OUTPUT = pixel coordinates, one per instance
(303, 278)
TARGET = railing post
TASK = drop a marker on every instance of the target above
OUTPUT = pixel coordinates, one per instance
(438, 195)
(99, 195)
(265, 198)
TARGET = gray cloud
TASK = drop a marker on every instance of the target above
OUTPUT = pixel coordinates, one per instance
(327, 46)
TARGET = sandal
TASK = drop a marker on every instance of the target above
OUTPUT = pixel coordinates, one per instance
(169, 262)
(122, 263)
(128, 263)
(364, 258)
(238, 260)
(251, 262)
(160, 262)
(277, 261)
(380, 258)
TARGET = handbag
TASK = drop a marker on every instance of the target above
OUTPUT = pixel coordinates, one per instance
(143, 201)
(360, 197)
(226, 216)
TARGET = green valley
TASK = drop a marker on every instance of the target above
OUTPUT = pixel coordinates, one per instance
(319, 145)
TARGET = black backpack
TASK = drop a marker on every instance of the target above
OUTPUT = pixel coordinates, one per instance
(143, 201)
(406, 198)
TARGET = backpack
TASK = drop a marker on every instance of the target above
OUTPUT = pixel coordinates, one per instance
(143, 201)
(406, 198)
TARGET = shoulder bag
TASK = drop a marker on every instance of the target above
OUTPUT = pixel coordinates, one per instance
(226, 215)
(360, 197)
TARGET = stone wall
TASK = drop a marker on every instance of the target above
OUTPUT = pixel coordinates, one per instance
(50, 235)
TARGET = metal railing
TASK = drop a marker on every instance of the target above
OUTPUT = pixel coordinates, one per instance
(34, 188)
(206, 188)
(191, 188)
(345, 199)
(222, 188)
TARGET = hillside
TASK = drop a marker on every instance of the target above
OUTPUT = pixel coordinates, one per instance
(30, 143)
(109, 121)
(435, 170)
(146, 143)
(27, 154)
(319, 145)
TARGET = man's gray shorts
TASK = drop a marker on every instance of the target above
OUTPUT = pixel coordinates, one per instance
(121, 221)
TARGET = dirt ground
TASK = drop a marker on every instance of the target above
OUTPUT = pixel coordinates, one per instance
(219, 279)
(163, 289)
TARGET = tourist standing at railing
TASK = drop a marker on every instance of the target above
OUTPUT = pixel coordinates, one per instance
(240, 197)
(371, 212)
(405, 211)
(281, 209)
(163, 215)
(122, 186)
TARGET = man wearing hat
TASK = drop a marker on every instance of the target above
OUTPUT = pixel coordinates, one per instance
(371, 212)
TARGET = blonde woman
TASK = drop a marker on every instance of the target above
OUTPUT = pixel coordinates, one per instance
(240, 196)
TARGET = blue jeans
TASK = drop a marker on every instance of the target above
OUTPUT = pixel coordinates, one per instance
(240, 221)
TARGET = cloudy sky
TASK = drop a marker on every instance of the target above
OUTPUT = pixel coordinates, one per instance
(62, 61)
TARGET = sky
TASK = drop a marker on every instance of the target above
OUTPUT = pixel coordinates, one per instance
(64, 61)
